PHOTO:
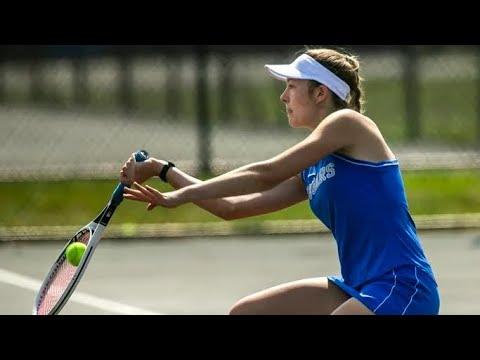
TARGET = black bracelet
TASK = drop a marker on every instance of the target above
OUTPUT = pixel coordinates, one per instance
(165, 168)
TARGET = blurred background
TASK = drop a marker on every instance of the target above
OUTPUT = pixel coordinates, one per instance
(71, 115)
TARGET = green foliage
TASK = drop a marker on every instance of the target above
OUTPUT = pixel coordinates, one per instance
(76, 202)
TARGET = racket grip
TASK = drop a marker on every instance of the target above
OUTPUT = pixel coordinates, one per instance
(117, 197)
(141, 155)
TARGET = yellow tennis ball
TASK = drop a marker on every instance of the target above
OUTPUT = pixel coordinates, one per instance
(75, 252)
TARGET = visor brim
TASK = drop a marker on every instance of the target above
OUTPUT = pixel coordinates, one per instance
(284, 72)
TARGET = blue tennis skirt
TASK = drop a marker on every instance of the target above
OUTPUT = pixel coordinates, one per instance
(405, 290)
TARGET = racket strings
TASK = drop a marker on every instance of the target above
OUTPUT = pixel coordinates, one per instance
(60, 279)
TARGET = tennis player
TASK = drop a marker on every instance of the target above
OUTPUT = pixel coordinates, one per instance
(351, 178)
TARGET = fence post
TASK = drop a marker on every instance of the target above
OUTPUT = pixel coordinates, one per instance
(226, 88)
(478, 96)
(173, 86)
(2, 79)
(412, 94)
(3, 74)
(36, 91)
(80, 88)
(125, 85)
(203, 121)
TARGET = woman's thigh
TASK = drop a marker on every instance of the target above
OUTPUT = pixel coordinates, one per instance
(352, 307)
(313, 296)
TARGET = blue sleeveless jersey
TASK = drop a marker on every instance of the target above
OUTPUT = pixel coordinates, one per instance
(365, 207)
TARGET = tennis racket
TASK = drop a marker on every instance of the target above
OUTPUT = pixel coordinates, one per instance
(61, 280)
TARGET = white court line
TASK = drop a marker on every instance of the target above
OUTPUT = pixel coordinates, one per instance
(29, 283)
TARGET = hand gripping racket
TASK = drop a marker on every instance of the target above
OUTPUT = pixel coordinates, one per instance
(63, 277)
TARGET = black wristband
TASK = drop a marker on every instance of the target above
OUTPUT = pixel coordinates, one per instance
(165, 168)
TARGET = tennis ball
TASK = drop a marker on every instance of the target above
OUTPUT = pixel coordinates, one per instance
(75, 252)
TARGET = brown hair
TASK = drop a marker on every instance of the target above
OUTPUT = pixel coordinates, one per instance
(346, 67)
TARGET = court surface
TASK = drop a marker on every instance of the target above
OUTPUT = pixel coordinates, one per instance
(207, 275)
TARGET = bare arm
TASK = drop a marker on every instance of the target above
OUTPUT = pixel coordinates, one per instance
(284, 195)
(336, 132)
(287, 193)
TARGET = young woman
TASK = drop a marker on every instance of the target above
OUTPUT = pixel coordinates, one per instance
(353, 183)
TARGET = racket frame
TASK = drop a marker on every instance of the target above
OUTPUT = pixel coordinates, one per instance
(96, 228)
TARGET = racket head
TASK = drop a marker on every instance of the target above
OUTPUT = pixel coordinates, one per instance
(62, 277)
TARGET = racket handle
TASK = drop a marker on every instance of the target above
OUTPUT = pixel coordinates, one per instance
(141, 155)
(117, 197)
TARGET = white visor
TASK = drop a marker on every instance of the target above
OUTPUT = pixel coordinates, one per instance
(307, 68)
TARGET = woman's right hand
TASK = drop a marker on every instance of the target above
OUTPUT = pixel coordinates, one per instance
(139, 172)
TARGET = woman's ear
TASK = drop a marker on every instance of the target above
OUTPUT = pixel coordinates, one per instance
(320, 93)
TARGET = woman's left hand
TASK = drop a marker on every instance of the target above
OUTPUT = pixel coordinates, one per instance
(153, 197)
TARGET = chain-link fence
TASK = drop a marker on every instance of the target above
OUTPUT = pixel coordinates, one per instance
(81, 114)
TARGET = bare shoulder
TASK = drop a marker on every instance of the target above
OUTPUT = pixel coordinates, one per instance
(347, 122)
(364, 139)
(348, 113)
(352, 117)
